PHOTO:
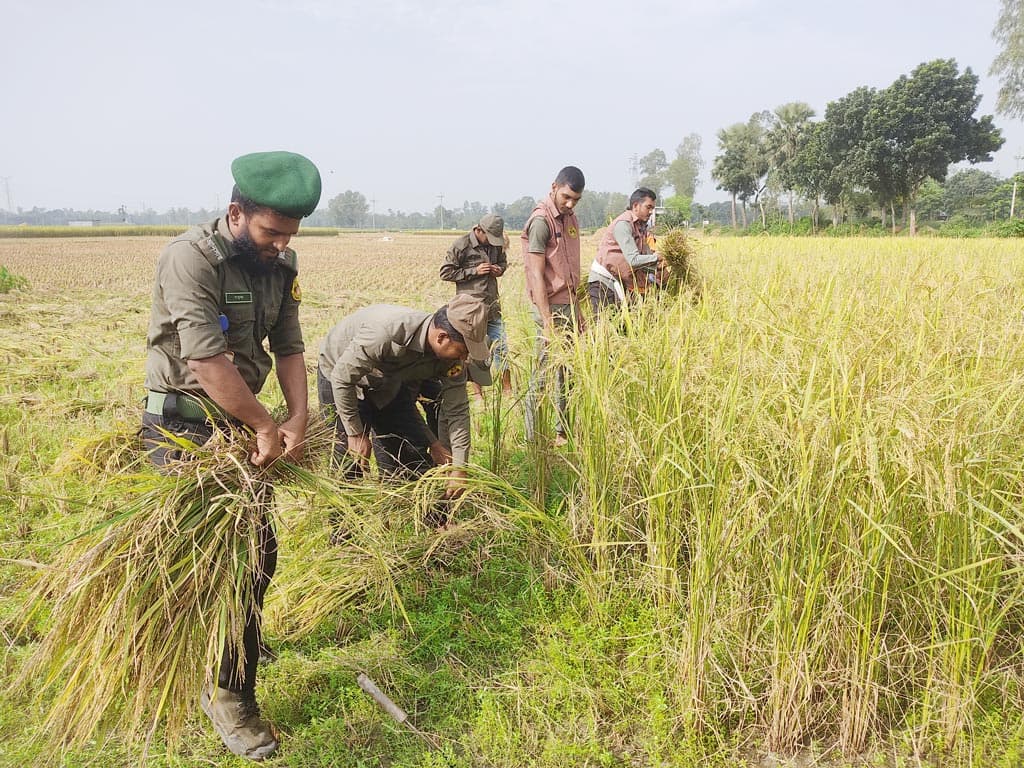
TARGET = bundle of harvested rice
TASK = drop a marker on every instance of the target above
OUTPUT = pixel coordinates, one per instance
(136, 611)
(679, 252)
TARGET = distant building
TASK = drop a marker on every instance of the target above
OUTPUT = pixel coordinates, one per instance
(84, 223)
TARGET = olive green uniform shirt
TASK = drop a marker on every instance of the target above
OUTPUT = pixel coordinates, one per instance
(376, 351)
(463, 257)
(200, 287)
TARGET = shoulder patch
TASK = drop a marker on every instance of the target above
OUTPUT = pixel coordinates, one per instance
(288, 259)
(213, 248)
(296, 290)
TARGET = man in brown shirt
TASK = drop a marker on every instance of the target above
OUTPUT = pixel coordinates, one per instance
(551, 257)
(626, 263)
(221, 290)
(474, 262)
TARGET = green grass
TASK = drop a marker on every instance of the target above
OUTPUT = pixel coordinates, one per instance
(10, 281)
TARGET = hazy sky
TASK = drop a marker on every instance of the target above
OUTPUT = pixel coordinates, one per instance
(145, 104)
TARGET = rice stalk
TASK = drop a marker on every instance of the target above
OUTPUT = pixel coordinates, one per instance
(679, 252)
(138, 608)
(386, 537)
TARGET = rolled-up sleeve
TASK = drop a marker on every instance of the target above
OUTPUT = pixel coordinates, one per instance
(453, 420)
(189, 285)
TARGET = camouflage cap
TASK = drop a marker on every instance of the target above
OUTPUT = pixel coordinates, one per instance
(468, 316)
(282, 181)
(494, 227)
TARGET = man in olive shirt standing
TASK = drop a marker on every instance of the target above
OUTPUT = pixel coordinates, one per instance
(474, 263)
(221, 290)
(551, 256)
(370, 368)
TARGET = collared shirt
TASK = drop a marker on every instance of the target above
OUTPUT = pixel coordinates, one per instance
(460, 263)
(205, 303)
(628, 237)
(376, 351)
(561, 249)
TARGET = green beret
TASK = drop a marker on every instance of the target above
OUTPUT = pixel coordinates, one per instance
(283, 181)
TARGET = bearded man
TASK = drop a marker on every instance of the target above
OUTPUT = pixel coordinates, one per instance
(221, 290)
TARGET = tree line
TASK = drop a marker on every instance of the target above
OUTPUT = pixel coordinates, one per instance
(883, 145)
(351, 209)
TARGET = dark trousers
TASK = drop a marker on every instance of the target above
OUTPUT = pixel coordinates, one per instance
(233, 675)
(601, 296)
(399, 434)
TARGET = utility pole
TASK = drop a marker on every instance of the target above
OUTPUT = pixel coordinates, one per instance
(1013, 197)
(373, 213)
(7, 187)
(634, 169)
(441, 206)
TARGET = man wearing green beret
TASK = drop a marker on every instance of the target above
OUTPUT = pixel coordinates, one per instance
(222, 289)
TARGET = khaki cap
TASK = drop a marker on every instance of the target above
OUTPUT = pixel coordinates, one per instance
(468, 316)
(494, 227)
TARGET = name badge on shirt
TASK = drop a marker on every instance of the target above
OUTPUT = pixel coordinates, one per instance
(238, 297)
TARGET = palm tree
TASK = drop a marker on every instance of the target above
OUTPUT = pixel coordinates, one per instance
(787, 134)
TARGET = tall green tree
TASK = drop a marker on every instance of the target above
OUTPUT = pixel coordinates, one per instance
(348, 209)
(811, 169)
(682, 173)
(1008, 66)
(652, 170)
(919, 126)
(840, 149)
(742, 167)
(969, 193)
(729, 169)
(786, 136)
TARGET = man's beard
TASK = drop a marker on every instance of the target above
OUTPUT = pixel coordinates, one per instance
(249, 256)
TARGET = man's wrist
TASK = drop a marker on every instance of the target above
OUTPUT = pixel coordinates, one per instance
(266, 425)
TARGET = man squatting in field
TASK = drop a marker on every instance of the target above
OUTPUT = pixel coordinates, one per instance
(222, 289)
(551, 257)
(371, 367)
(474, 262)
(625, 264)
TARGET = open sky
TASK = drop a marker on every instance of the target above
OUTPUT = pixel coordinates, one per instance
(145, 104)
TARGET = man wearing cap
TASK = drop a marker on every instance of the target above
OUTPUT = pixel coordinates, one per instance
(551, 257)
(221, 290)
(474, 263)
(370, 367)
(625, 262)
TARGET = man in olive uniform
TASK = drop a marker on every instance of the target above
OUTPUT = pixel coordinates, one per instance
(221, 290)
(474, 262)
(371, 366)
